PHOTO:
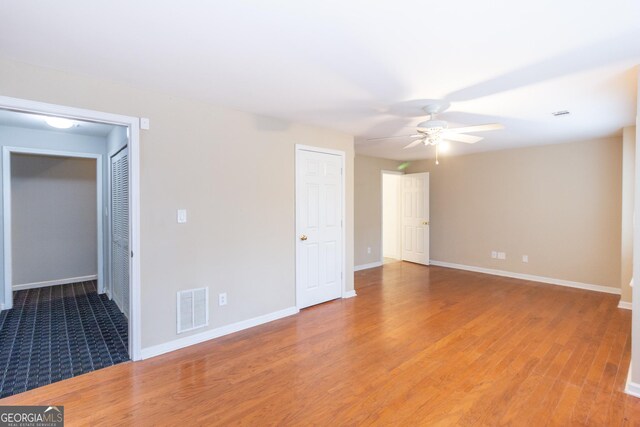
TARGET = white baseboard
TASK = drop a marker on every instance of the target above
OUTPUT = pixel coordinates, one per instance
(530, 277)
(367, 266)
(179, 343)
(54, 282)
(632, 388)
(624, 304)
(349, 294)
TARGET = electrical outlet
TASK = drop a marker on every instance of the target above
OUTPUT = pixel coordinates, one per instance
(222, 299)
(369, 249)
(494, 254)
(525, 258)
(502, 255)
(182, 216)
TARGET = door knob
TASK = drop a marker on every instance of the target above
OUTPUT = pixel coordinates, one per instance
(425, 222)
(303, 237)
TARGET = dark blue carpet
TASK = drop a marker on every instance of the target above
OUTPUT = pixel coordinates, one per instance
(58, 332)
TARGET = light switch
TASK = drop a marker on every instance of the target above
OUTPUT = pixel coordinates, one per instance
(182, 216)
(144, 123)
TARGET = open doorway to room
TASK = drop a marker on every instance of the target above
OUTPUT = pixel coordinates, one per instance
(391, 216)
(405, 217)
(66, 233)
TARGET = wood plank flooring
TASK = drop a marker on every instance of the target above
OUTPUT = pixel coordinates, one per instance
(417, 346)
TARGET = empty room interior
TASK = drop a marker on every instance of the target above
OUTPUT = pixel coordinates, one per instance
(296, 213)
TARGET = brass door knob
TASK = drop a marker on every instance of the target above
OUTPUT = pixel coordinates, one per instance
(425, 222)
(303, 237)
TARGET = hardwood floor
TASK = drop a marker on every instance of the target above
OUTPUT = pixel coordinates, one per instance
(417, 346)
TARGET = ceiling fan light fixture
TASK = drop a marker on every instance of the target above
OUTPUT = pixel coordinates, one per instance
(436, 133)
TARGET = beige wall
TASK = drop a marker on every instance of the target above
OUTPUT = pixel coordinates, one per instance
(628, 186)
(368, 203)
(558, 204)
(54, 232)
(233, 171)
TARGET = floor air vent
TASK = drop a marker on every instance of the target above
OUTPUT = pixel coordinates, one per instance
(193, 309)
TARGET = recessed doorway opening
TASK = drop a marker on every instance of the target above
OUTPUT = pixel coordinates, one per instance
(70, 270)
(405, 217)
(391, 216)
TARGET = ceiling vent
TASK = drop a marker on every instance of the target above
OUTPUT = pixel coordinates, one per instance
(560, 113)
(193, 309)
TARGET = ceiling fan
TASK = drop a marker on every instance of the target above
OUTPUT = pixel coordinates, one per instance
(433, 131)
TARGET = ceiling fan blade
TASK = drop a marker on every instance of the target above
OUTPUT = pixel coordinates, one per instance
(392, 137)
(414, 143)
(460, 137)
(476, 128)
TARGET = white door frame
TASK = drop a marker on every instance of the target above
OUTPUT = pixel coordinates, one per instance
(342, 155)
(399, 213)
(7, 217)
(133, 123)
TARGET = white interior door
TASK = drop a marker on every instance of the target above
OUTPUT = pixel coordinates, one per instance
(120, 229)
(415, 218)
(319, 198)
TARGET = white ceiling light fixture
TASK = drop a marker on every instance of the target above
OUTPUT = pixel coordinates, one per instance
(59, 122)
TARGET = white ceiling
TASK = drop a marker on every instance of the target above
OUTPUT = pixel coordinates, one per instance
(350, 65)
(37, 122)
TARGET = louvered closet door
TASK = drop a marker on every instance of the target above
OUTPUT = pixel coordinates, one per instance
(120, 229)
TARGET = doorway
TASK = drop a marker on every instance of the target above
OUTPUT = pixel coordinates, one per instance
(405, 217)
(391, 216)
(33, 180)
(108, 332)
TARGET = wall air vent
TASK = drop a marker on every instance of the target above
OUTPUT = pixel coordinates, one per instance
(560, 113)
(192, 309)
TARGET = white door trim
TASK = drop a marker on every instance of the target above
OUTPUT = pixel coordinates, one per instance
(6, 196)
(399, 213)
(133, 123)
(342, 155)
